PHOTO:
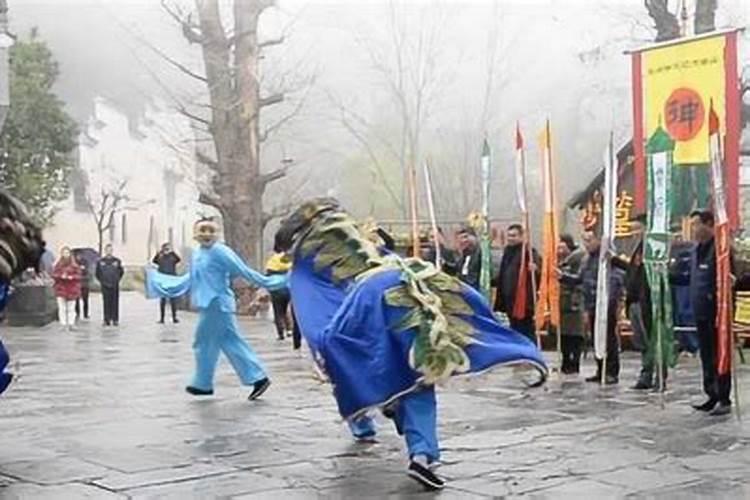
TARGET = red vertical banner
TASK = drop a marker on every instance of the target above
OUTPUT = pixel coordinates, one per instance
(733, 129)
(638, 142)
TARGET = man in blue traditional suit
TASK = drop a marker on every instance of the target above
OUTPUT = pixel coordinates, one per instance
(21, 248)
(213, 267)
(386, 329)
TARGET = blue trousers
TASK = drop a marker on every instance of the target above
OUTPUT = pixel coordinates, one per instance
(5, 378)
(218, 331)
(415, 418)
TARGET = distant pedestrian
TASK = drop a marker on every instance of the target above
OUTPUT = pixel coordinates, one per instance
(572, 329)
(167, 261)
(83, 300)
(109, 272)
(280, 263)
(67, 277)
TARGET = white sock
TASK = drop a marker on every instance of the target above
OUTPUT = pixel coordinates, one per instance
(421, 460)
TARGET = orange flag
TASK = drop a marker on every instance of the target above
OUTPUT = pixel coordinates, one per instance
(548, 304)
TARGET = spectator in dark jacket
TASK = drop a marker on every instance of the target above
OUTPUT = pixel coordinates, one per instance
(109, 272)
(167, 261)
(508, 277)
(588, 278)
(448, 258)
(470, 264)
(639, 309)
(572, 331)
(702, 282)
(85, 288)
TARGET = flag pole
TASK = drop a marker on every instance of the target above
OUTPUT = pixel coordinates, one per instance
(433, 220)
(602, 307)
(528, 246)
(555, 237)
(413, 206)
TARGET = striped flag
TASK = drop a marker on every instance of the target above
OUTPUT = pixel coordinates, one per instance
(520, 300)
(520, 171)
(548, 304)
(723, 260)
(608, 223)
(485, 273)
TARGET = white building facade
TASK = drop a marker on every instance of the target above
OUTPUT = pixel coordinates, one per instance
(151, 166)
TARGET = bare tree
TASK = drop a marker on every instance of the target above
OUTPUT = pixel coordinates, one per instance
(104, 208)
(231, 53)
(705, 16)
(666, 23)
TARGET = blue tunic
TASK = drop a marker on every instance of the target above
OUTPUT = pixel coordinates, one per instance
(349, 327)
(211, 273)
(5, 378)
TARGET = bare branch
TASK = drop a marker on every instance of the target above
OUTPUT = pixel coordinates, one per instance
(205, 160)
(278, 212)
(211, 201)
(271, 100)
(275, 175)
(268, 131)
(189, 29)
(183, 111)
(271, 42)
(176, 63)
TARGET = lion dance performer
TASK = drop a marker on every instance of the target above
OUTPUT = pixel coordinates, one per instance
(21, 248)
(213, 267)
(386, 329)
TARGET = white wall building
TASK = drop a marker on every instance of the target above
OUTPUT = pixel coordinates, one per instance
(155, 162)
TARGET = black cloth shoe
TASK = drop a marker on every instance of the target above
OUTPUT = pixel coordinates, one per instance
(594, 378)
(175, 320)
(425, 477)
(161, 321)
(642, 385)
(611, 380)
(259, 388)
(198, 392)
(707, 406)
(722, 409)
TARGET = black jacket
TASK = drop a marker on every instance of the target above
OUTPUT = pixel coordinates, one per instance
(470, 267)
(448, 259)
(109, 272)
(507, 280)
(588, 278)
(637, 290)
(702, 280)
(167, 262)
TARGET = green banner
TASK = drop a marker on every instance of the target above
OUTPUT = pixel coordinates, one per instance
(660, 343)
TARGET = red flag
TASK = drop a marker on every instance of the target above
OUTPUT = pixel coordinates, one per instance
(522, 293)
(722, 246)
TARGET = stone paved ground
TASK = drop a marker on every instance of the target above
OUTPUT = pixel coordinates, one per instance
(101, 413)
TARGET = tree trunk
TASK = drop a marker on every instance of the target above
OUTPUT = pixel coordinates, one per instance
(666, 23)
(705, 16)
(234, 90)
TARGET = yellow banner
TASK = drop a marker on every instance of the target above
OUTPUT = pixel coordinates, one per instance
(679, 83)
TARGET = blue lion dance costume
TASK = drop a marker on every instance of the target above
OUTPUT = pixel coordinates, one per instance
(21, 248)
(212, 269)
(5, 377)
(386, 329)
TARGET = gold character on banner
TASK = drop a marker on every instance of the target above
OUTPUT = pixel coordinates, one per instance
(623, 209)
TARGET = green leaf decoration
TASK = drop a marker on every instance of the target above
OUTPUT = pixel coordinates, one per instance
(399, 297)
(454, 303)
(412, 319)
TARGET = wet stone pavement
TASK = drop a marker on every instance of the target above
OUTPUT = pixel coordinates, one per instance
(101, 413)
